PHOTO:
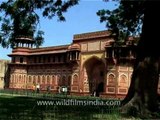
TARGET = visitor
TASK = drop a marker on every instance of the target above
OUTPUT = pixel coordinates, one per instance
(37, 88)
(93, 93)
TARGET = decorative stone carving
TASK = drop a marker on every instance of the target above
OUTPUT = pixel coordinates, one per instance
(94, 46)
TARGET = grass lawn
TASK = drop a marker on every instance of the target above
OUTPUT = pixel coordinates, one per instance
(26, 108)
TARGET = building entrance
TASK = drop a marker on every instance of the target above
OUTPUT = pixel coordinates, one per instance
(95, 70)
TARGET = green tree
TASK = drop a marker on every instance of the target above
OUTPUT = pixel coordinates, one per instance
(131, 18)
(20, 18)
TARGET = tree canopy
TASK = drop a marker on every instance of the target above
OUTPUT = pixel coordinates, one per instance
(20, 18)
(125, 20)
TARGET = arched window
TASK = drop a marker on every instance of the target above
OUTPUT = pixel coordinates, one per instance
(19, 81)
(43, 80)
(16, 78)
(24, 78)
(48, 79)
(29, 79)
(111, 79)
(123, 80)
(34, 79)
(75, 79)
(53, 80)
(39, 79)
(11, 79)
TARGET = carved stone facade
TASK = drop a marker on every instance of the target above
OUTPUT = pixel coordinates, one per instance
(3, 72)
(90, 64)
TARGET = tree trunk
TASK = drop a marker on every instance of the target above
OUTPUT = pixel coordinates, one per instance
(142, 95)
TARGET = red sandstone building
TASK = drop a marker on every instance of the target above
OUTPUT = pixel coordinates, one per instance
(89, 64)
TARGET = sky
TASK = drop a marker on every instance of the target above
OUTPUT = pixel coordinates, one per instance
(81, 18)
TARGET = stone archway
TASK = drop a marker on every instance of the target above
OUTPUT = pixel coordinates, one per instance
(95, 72)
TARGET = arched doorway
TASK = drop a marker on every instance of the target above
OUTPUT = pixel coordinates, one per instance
(94, 69)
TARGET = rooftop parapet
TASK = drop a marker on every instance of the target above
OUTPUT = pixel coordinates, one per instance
(91, 35)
